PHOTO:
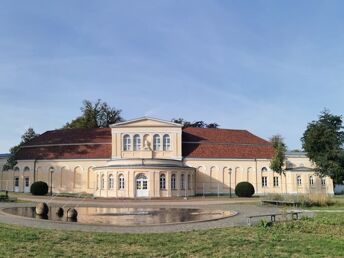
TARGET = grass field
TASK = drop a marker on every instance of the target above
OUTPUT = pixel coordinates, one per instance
(319, 237)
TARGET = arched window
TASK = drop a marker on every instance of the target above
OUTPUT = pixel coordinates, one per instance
(298, 181)
(121, 182)
(102, 182)
(110, 182)
(323, 181)
(182, 182)
(16, 169)
(162, 182)
(264, 169)
(126, 142)
(26, 169)
(156, 142)
(173, 182)
(311, 180)
(137, 142)
(167, 142)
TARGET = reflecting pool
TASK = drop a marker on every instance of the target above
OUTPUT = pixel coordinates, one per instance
(126, 216)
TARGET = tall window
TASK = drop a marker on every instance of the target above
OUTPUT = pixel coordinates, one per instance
(137, 142)
(173, 181)
(182, 182)
(167, 142)
(16, 181)
(156, 142)
(111, 182)
(26, 181)
(102, 182)
(298, 181)
(97, 187)
(275, 181)
(323, 181)
(162, 182)
(189, 182)
(126, 142)
(311, 180)
(121, 182)
(264, 181)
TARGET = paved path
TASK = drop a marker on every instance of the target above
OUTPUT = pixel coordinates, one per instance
(243, 210)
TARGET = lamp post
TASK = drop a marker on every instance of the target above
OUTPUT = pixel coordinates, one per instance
(51, 170)
(230, 182)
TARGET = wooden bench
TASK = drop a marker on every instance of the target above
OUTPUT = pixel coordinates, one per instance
(275, 202)
(295, 215)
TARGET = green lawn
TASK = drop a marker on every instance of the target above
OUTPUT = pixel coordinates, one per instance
(319, 237)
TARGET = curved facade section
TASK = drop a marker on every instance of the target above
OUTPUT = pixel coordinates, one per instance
(145, 181)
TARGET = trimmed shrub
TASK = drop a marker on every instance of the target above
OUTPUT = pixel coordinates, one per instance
(244, 189)
(39, 188)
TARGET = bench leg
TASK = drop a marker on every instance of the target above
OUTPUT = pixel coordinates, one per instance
(273, 218)
(249, 221)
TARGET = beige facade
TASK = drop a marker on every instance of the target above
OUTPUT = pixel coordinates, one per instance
(147, 161)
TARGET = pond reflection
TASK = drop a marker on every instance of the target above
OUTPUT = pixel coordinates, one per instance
(126, 216)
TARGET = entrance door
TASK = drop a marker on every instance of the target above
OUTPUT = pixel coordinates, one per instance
(26, 184)
(16, 184)
(141, 186)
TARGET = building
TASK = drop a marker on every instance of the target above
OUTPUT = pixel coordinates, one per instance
(148, 157)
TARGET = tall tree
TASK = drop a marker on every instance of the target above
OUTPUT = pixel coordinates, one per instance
(199, 124)
(323, 142)
(96, 115)
(25, 138)
(277, 161)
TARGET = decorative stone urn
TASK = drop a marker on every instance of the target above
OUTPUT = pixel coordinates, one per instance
(72, 213)
(60, 212)
(42, 209)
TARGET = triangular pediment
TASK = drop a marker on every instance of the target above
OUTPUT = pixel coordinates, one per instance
(300, 169)
(146, 122)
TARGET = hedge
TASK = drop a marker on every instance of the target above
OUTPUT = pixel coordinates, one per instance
(244, 189)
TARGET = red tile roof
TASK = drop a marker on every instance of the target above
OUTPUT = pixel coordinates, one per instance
(224, 143)
(66, 136)
(69, 144)
(96, 143)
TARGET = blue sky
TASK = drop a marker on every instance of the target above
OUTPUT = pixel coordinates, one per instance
(266, 66)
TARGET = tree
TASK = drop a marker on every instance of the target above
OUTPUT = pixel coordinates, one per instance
(277, 161)
(25, 138)
(97, 115)
(323, 142)
(199, 124)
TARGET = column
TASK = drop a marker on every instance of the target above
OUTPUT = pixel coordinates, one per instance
(168, 183)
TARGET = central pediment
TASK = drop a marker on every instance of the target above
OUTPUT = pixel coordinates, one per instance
(146, 122)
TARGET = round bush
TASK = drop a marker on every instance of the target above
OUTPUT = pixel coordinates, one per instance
(244, 189)
(39, 188)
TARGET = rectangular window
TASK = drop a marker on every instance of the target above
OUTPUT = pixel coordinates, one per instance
(298, 181)
(264, 181)
(275, 181)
